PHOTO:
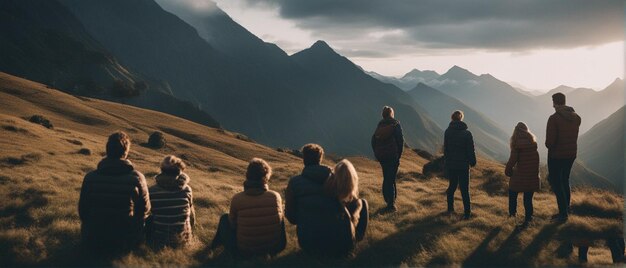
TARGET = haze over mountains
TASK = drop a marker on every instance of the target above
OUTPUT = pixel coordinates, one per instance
(204, 65)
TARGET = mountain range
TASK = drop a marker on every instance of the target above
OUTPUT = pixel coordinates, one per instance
(207, 68)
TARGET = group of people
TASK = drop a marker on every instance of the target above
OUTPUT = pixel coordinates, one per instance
(118, 210)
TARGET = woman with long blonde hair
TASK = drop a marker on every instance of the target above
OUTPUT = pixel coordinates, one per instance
(343, 185)
(523, 168)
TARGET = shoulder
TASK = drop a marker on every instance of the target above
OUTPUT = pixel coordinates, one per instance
(273, 194)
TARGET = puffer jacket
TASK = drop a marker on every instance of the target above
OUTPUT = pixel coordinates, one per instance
(458, 147)
(257, 215)
(562, 133)
(322, 224)
(388, 141)
(173, 214)
(523, 167)
(114, 204)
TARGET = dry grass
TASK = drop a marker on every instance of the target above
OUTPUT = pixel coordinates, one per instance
(39, 223)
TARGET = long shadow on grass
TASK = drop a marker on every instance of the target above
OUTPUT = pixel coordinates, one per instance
(510, 252)
(398, 247)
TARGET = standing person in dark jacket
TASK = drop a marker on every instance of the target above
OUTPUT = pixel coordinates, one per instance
(561, 141)
(114, 201)
(321, 229)
(459, 155)
(388, 144)
(173, 214)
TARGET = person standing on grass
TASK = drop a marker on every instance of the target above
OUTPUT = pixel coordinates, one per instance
(343, 185)
(173, 215)
(459, 156)
(562, 144)
(255, 224)
(523, 168)
(114, 200)
(388, 144)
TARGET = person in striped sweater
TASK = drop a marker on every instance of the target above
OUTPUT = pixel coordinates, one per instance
(173, 214)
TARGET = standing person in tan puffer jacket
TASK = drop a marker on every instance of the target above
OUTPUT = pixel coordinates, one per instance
(173, 215)
(561, 141)
(523, 168)
(255, 224)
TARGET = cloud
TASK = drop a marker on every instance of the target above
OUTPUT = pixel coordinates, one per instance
(504, 25)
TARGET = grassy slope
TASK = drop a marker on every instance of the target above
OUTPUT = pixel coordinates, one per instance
(41, 173)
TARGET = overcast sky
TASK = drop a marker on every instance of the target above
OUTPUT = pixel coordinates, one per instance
(539, 44)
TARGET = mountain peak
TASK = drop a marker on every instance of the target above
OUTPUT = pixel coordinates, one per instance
(459, 74)
(321, 45)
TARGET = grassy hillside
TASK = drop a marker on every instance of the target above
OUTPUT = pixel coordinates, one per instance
(42, 169)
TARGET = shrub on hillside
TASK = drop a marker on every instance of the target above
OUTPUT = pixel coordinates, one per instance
(424, 154)
(157, 140)
(495, 182)
(41, 120)
(84, 151)
(434, 167)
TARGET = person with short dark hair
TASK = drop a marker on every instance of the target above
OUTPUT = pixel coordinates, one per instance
(255, 224)
(313, 210)
(114, 201)
(173, 214)
(388, 145)
(562, 144)
(459, 155)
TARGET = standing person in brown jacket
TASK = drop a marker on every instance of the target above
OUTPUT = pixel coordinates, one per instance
(561, 140)
(255, 223)
(523, 168)
(388, 144)
(114, 201)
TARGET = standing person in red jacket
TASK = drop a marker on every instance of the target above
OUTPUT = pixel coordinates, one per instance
(388, 144)
(561, 140)
(523, 168)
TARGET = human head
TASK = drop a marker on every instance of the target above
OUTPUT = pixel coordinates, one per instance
(344, 183)
(558, 99)
(312, 154)
(118, 145)
(457, 116)
(521, 131)
(388, 113)
(258, 171)
(172, 164)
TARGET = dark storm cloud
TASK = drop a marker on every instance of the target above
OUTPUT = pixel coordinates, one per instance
(482, 24)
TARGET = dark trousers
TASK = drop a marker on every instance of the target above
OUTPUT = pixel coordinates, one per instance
(390, 171)
(528, 204)
(226, 235)
(459, 178)
(558, 176)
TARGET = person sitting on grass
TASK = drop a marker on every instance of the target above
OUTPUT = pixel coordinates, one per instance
(114, 202)
(343, 185)
(173, 215)
(254, 226)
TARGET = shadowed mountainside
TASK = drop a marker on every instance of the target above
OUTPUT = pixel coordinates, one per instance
(39, 224)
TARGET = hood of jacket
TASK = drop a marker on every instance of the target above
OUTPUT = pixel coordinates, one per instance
(566, 112)
(316, 173)
(457, 125)
(172, 181)
(112, 166)
(254, 188)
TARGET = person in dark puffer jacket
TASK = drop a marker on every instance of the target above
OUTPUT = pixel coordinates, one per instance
(523, 168)
(562, 144)
(343, 185)
(459, 155)
(255, 224)
(114, 201)
(321, 229)
(388, 145)
(173, 214)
